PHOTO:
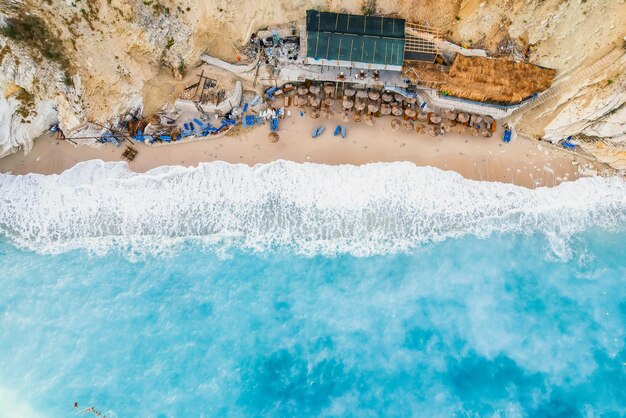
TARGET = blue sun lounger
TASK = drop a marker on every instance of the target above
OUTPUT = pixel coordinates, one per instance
(337, 130)
(274, 125)
(506, 137)
(343, 131)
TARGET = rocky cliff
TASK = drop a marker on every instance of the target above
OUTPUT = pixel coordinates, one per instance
(91, 60)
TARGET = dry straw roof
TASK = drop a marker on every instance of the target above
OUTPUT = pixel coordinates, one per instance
(493, 80)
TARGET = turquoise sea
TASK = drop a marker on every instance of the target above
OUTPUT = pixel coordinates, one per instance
(302, 290)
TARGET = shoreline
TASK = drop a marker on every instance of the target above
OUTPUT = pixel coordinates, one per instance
(524, 162)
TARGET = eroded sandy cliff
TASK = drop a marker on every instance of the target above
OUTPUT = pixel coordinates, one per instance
(111, 56)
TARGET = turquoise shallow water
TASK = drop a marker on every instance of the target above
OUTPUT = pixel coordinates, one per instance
(304, 290)
(467, 327)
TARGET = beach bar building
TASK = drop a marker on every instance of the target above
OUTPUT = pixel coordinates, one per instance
(355, 41)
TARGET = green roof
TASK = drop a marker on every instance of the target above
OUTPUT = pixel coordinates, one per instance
(388, 27)
(354, 38)
(352, 48)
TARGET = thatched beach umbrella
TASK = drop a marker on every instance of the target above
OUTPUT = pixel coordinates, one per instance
(315, 89)
(419, 128)
(423, 116)
(463, 117)
(369, 120)
(396, 111)
(410, 100)
(473, 131)
(446, 125)
(399, 98)
(449, 114)
(349, 92)
(387, 97)
(357, 117)
(347, 104)
(345, 116)
(360, 105)
(408, 125)
(302, 90)
(373, 107)
(361, 94)
(329, 114)
(315, 113)
(434, 130)
(385, 109)
(273, 137)
(329, 101)
(461, 128)
(154, 120)
(329, 90)
(410, 112)
(396, 124)
(373, 95)
(314, 101)
(435, 118)
(301, 100)
(486, 133)
(475, 120)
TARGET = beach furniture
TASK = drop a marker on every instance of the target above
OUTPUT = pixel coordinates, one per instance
(165, 138)
(506, 137)
(245, 107)
(274, 125)
(343, 131)
(314, 134)
(567, 144)
(337, 130)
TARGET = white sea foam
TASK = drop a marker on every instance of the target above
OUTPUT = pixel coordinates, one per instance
(310, 208)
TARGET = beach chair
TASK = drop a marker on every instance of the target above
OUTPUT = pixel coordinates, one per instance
(343, 131)
(337, 130)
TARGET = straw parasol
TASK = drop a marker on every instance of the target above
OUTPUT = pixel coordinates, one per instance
(435, 118)
(461, 128)
(361, 94)
(385, 109)
(357, 117)
(410, 112)
(399, 98)
(446, 125)
(463, 117)
(396, 124)
(409, 125)
(348, 104)
(396, 111)
(315, 89)
(373, 95)
(473, 131)
(387, 97)
(328, 114)
(329, 90)
(302, 100)
(302, 90)
(475, 119)
(360, 105)
(434, 130)
(314, 101)
(419, 128)
(345, 116)
(328, 101)
(449, 114)
(410, 100)
(315, 113)
(486, 133)
(373, 107)
(154, 120)
(369, 120)
(349, 92)
(273, 137)
(423, 116)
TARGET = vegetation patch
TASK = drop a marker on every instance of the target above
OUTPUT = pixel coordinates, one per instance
(33, 33)
(368, 7)
(27, 105)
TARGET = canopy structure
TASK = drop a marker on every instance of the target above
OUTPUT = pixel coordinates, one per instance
(345, 40)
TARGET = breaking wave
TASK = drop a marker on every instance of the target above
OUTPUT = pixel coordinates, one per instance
(310, 208)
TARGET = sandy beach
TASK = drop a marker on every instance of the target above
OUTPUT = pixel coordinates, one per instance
(524, 162)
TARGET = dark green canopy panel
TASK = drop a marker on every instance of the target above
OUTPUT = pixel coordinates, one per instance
(352, 38)
(354, 24)
(352, 48)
